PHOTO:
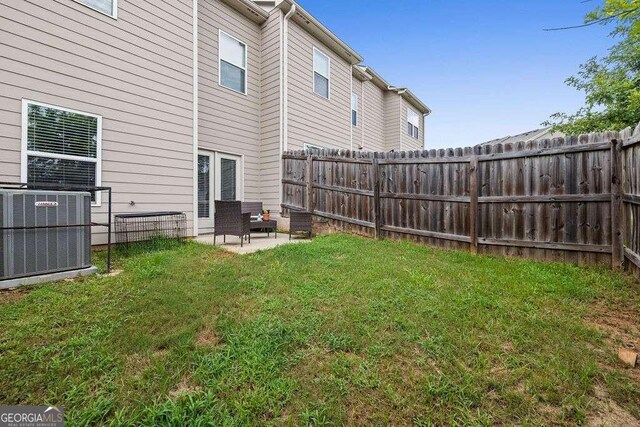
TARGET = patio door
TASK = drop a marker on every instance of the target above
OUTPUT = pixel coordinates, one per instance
(228, 177)
(219, 178)
(206, 161)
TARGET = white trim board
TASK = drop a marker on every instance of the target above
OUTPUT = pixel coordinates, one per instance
(115, 8)
(246, 63)
(24, 152)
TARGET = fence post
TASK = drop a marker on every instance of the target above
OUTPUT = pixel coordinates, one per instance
(309, 182)
(617, 254)
(473, 207)
(376, 196)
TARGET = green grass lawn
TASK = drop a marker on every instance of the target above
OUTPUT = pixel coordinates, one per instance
(340, 330)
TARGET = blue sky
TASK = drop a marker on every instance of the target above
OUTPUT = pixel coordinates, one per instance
(485, 68)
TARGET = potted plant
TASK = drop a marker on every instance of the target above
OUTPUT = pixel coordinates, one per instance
(265, 215)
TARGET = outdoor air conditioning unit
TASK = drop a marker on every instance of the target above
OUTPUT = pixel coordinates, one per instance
(36, 243)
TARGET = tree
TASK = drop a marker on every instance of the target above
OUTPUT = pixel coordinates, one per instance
(611, 84)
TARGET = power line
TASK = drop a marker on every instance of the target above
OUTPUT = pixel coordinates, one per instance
(597, 21)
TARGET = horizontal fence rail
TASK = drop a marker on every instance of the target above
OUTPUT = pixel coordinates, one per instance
(574, 199)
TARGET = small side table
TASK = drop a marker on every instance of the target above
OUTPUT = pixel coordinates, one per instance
(271, 225)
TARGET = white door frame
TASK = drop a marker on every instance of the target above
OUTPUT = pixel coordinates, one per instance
(206, 224)
(239, 174)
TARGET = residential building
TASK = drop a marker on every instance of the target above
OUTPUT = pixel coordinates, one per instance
(176, 103)
(531, 135)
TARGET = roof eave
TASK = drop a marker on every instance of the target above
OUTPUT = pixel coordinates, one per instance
(377, 78)
(415, 101)
(249, 9)
(315, 27)
(360, 73)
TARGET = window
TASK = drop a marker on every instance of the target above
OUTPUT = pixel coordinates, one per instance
(228, 178)
(314, 149)
(321, 73)
(108, 7)
(354, 109)
(413, 123)
(60, 146)
(204, 186)
(233, 63)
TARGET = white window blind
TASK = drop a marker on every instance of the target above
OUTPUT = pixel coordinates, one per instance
(413, 123)
(321, 73)
(233, 63)
(104, 6)
(62, 146)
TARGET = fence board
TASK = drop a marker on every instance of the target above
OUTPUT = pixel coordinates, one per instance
(548, 199)
(630, 188)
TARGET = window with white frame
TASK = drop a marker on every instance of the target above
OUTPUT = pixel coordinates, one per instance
(314, 149)
(321, 73)
(233, 63)
(413, 123)
(354, 109)
(108, 7)
(61, 146)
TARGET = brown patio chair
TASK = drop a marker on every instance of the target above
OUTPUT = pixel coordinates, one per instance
(299, 221)
(229, 219)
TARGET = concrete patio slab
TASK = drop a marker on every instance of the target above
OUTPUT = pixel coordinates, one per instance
(259, 242)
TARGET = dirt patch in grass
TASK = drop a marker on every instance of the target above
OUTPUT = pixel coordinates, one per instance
(619, 323)
(12, 295)
(609, 413)
(207, 338)
(184, 387)
(136, 364)
(620, 326)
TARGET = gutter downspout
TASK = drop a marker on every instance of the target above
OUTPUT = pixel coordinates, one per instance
(362, 92)
(424, 131)
(284, 92)
(195, 117)
(284, 87)
(351, 107)
(399, 92)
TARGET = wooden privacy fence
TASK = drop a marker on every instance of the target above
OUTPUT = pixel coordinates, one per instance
(574, 199)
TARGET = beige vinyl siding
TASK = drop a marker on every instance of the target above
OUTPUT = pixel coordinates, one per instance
(312, 118)
(135, 72)
(408, 142)
(270, 113)
(357, 134)
(374, 117)
(229, 121)
(392, 122)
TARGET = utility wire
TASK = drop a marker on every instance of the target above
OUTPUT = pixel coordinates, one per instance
(597, 21)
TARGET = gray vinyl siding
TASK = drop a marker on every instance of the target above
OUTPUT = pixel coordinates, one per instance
(228, 121)
(312, 118)
(392, 120)
(132, 71)
(357, 134)
(408, 142)
(270, 113)
(374, 117)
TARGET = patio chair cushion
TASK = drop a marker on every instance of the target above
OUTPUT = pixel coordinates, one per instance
(254, 208)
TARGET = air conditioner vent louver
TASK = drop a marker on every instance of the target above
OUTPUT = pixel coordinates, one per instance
(37, 251)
